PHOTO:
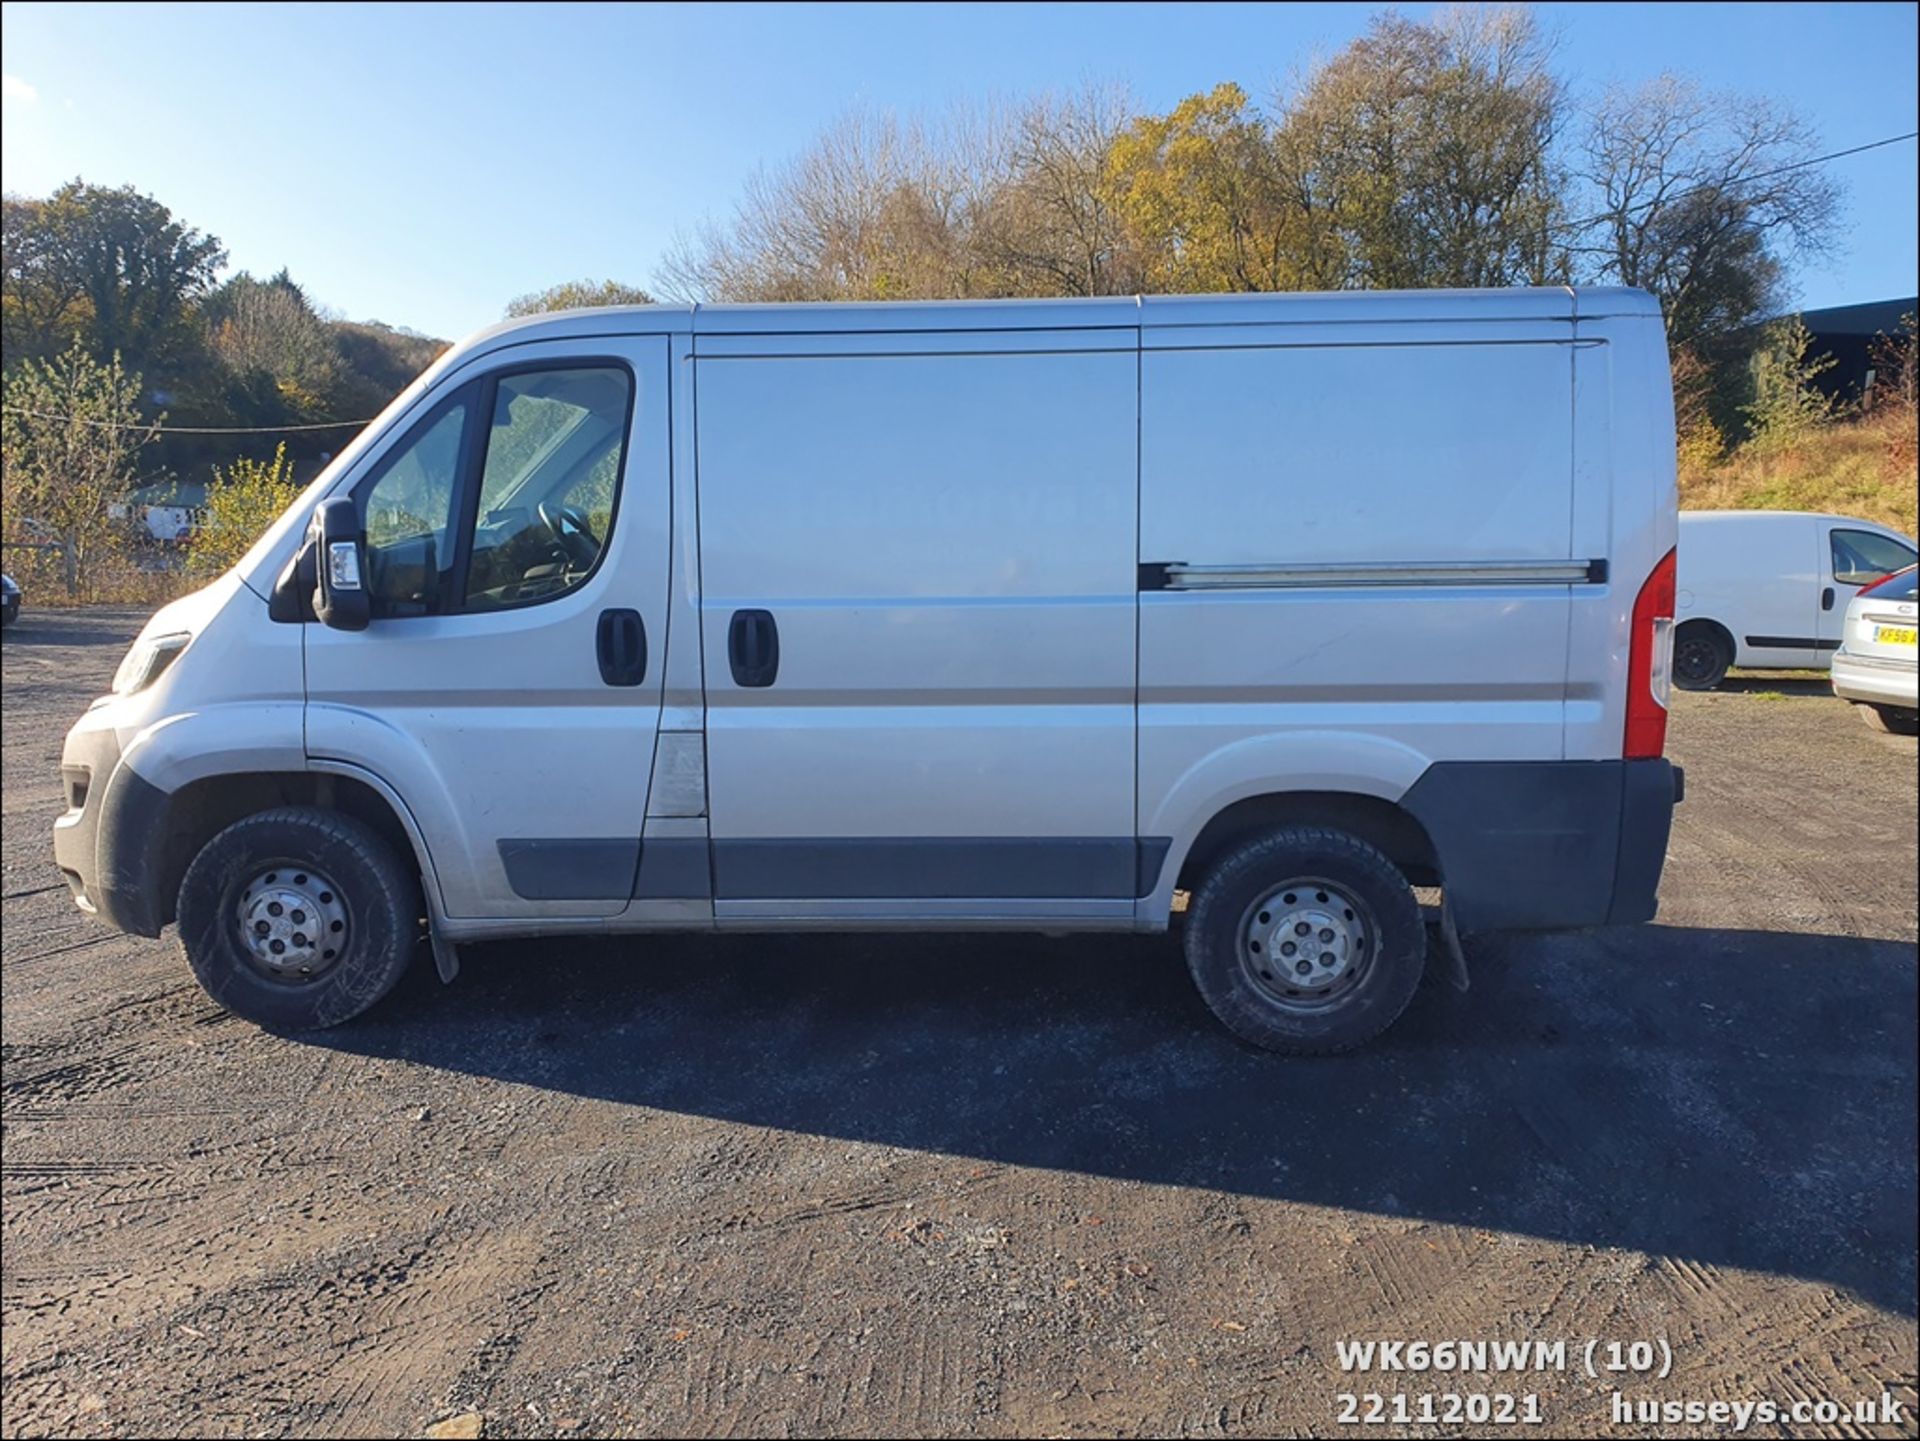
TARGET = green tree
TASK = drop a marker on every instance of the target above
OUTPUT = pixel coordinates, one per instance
(245, 498)
(1787, 405)
(41, 308)
(377, 362)
(71, 434)
(1423, 154)
(1201, 196)
(577, 295)
(111, 266)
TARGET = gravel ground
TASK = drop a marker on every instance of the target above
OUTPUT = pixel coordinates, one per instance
(1006, 1185)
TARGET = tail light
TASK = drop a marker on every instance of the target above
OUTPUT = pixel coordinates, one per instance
(1885, 581)
(1650, 664)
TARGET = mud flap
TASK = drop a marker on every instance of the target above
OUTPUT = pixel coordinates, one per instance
(446, 956)
(1450, 944)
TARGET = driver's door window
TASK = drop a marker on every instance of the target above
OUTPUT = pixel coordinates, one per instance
(549, 483)
(1861, 557)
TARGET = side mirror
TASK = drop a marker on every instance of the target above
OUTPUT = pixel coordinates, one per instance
(340, 596)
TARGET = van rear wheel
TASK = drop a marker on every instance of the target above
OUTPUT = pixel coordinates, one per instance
(298, 918)
(1306, 941)
(1702, 655)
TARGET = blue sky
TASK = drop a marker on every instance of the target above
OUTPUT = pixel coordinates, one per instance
(423, 165)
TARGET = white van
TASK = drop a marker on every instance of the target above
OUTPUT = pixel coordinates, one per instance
(1771, 588)
(970, 615)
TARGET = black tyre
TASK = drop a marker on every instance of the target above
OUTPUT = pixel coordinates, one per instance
(1701, 656)
(298, 918)
(1306, 941)
(1891, 720)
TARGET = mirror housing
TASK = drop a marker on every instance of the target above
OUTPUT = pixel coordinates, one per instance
(340, 597)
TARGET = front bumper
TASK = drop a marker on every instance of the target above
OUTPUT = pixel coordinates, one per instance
(1876, 680)
(107, 842)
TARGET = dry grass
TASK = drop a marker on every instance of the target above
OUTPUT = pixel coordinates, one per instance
(110, 580)
(1863, 467)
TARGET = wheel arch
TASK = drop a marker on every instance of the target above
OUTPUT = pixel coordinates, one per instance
(1381, 823)
(202, 808)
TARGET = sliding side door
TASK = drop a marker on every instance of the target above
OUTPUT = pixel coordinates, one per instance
(918, 571)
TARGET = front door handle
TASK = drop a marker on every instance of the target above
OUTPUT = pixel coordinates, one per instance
(1826, 598)
(621, 641)
(753, 648)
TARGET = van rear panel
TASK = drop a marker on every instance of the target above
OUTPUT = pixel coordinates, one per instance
(1398, 496)
(1400, 561)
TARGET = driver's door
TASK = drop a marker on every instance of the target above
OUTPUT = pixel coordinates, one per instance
(1851, 560)
(508, 687)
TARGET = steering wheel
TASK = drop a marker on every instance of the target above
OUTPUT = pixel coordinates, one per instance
(570, 527)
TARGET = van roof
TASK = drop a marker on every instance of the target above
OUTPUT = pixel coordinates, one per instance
(1122, 311)
(1764, 517)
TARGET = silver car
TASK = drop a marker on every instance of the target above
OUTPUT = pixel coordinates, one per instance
(1875, 665)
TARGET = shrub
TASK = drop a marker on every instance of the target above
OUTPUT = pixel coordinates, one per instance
(70, 441)
(246, 497)
(1787, 406)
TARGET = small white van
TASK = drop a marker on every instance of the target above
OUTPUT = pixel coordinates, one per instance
(1771, 588)
(969, 615)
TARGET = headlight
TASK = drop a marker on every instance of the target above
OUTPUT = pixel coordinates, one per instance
(151, 655)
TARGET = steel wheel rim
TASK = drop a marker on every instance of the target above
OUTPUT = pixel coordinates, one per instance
(1307, 945)
(1696, 659)
(294, 923)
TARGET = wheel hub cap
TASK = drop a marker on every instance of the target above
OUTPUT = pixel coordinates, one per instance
(1304, 941)
(293, 922)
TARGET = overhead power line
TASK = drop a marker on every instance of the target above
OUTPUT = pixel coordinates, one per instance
(1739, 181)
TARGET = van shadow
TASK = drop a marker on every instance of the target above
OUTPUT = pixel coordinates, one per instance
(1742, 1098)
(1791, 683)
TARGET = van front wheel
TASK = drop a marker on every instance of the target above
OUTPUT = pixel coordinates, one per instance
(1306, 941)
(298, 918)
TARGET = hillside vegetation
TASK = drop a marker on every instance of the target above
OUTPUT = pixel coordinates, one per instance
(1801, 448)
(1862, 467)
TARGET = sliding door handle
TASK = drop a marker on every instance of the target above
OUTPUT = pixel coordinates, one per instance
(753, 648)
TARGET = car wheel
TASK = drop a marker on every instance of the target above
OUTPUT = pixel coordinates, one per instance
(1306, 941)
(1701, 657)
(1890, 720)
(298, 918)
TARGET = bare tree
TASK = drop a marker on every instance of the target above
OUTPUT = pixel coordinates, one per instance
(982, 203)
(1696, 203)
(1052, 227)
(269, 327)
(823, 226)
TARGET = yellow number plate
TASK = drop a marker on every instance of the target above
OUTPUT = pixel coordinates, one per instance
(1895, 634)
